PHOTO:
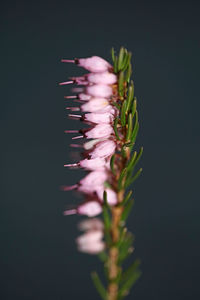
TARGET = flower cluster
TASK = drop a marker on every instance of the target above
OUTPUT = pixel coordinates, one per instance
(95, 97)
(91, 241)
(104, 99)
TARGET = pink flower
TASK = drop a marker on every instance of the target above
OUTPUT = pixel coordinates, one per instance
(103, 149)
(99, 118)
(111, 195)
(100, 131)
(90, 164)
(101, 78)
(90, 208)
(99, 90)
(91, 224)
(95, 104)
(91, 242)
(94, 179)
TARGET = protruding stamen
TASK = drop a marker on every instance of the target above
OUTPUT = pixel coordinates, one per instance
(72, 165)
(76, 146)
(78, 137)
(75, 116)
(73, 108)
(68, 61)
(68, 187)
(71, 131)
(70, 97)
(66, 82)
(70, 212)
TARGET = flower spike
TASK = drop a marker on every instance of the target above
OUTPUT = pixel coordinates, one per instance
(104, 99)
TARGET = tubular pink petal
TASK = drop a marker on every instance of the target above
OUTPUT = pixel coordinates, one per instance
(90, 209)
(94, 64)
(100, 131)
(99, 90)
(91, 224)
(94, 178)
(102, 78)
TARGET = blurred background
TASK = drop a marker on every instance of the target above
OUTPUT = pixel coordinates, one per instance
(38, 257)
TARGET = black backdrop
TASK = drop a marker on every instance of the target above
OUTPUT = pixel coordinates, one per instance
(38, 255)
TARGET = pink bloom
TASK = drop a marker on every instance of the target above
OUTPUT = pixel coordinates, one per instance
(111, 195)
(101, 78)
(99, 118)
(94, 179)
(100, 131)
(91, 224)
(90, 164)
(99, 90)
(95, 104)
(103, 149)
(89, 145)
(90, 208)
(92, 64)
(91, 242)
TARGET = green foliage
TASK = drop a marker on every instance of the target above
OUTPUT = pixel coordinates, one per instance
(126, 127)
(99, 286)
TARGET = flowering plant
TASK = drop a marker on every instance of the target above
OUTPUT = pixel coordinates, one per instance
(108, 105)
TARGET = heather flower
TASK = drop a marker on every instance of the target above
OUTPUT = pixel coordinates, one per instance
(91, 224)
(90, 164)
(104, 100)
(92, 64)
(89, 208)
(91, 242)
(103, 149)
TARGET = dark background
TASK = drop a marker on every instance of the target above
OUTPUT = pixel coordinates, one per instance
(38, 254)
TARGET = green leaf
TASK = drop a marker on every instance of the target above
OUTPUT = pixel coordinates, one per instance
(127, 61)
(115, 128)
(135, 129)
(130, 96)
(125, 246)
(128, 73)
(106, 214)
(139, 156)
(129, 272)
(131, 180)
(121, 179)
(129, 283)
(103, 256)
(99, 286)
(118, 106)
(123, 113)
(130, 127)
(121, 84)
(115, 65)
(127, 197)
(134, 135)
(134, 106)
(131, 161)
(127, 210)
(112, 162)
(121, 58)
(113, 54)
